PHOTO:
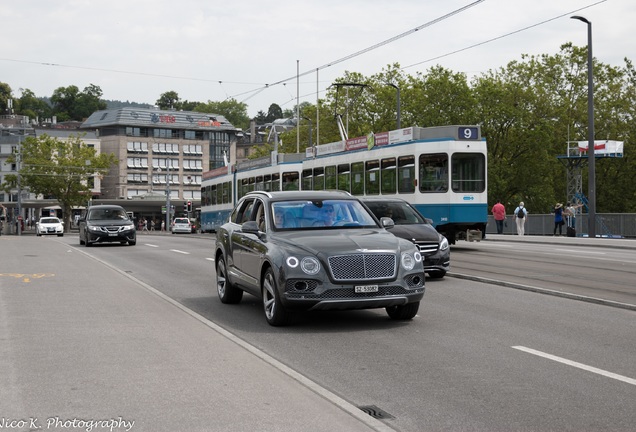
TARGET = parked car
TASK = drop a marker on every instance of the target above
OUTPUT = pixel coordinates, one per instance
(411, 225)
(181, 225)
(49, 226)
(106, 224)
(328, 252)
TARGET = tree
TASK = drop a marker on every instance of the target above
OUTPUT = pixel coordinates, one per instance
(168, 100)
(274, 112)
(32, 106)
(59, 169)
(5, 95)
(235, 112)
(71, 104)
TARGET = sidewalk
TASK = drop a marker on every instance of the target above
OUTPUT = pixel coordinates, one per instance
(562, 240)
(82, 342)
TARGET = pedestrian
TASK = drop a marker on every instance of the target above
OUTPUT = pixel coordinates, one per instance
(521, 216)
(570, 214)
(152, 224)
(163, 225)
(145, 225)
(499, 212)
(558, 219)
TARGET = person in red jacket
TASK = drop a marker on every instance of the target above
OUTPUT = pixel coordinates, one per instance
(499, 212)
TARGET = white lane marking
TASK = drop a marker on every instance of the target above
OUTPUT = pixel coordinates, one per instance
(577, 251)
(210, 259)
(179, 251)
(577, 365)
(150, 245)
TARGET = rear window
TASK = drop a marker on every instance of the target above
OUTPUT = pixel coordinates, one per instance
(182, 221)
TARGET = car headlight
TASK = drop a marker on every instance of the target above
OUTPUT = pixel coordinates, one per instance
(93, 228)
(443, 245)
(310, 265)
(408, 261)
(127, 228)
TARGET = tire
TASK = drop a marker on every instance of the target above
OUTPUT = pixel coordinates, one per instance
(437, 274)
(275, 314)
(228, 293)
(403, 312)
(60, 235)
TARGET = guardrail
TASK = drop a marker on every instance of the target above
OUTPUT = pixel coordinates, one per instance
(607, 225)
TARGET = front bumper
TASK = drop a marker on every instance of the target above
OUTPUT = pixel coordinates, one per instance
(313, 294)
(110, 237)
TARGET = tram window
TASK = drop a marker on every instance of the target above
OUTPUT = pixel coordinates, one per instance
(267, 183)
(252, 184)
(372, 177)
(344, 177)
(210, 195)
(406, 174)
(357, 178)
(290, 180)
(225, 193)
(307, 183)
(319, 178)
(275, 182)
(469, 172)
(259, 183)
(331, 178)
(434, 172)
(388, 176)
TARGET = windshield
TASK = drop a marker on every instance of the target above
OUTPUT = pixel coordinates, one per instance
(401, 212)
(107, 214)
(319, 214)
(49, 220)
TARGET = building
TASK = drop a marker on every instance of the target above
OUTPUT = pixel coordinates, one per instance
(160, 152)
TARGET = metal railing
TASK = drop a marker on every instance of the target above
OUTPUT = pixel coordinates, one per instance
(607, 225)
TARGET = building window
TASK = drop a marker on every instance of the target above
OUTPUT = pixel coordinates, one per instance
(167, 148)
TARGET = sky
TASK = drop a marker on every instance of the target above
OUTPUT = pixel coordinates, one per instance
(282, 52)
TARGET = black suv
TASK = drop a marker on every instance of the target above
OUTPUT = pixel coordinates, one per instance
(106, 224)
(314, 250)
(411, 225)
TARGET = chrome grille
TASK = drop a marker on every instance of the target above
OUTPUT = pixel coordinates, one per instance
(427, 248)
(362, 266)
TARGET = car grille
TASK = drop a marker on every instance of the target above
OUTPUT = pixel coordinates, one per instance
(362, 266)
(427, 248)
(111, 229)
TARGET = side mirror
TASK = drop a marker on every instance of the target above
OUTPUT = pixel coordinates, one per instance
(387, 222)
(250, 227)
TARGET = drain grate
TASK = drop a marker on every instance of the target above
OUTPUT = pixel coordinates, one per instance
(376, 412)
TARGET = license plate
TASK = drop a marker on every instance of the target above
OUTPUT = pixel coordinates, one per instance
(366, 288)
(112, 234)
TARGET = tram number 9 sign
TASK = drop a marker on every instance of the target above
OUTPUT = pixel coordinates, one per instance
(468, 133)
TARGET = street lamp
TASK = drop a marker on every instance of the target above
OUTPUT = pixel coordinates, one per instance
(18, 158)
(591, 157)
(310, 131)
(398, 105)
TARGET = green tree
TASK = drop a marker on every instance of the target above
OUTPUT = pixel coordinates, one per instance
(5, 95)
(71, 104)
(168, 100)
(32, 106)
(231, 109)
(274, 112)
(60, 169)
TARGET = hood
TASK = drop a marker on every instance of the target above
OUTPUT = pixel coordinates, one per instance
(419, 232)
(343, 241)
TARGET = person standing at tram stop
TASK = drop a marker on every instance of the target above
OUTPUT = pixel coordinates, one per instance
(558, 219)
(521, 216)
(499, 212)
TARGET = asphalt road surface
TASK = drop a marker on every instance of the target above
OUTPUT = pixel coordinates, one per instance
(480, 356)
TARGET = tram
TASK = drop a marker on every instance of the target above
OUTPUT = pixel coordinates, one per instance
(441, 171)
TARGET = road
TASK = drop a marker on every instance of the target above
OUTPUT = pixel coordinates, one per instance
(479, 356)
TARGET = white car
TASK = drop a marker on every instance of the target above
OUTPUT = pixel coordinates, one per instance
(181, 225)
(49, 226)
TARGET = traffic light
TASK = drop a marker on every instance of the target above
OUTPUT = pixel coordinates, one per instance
(189, 206)
(185, 206)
